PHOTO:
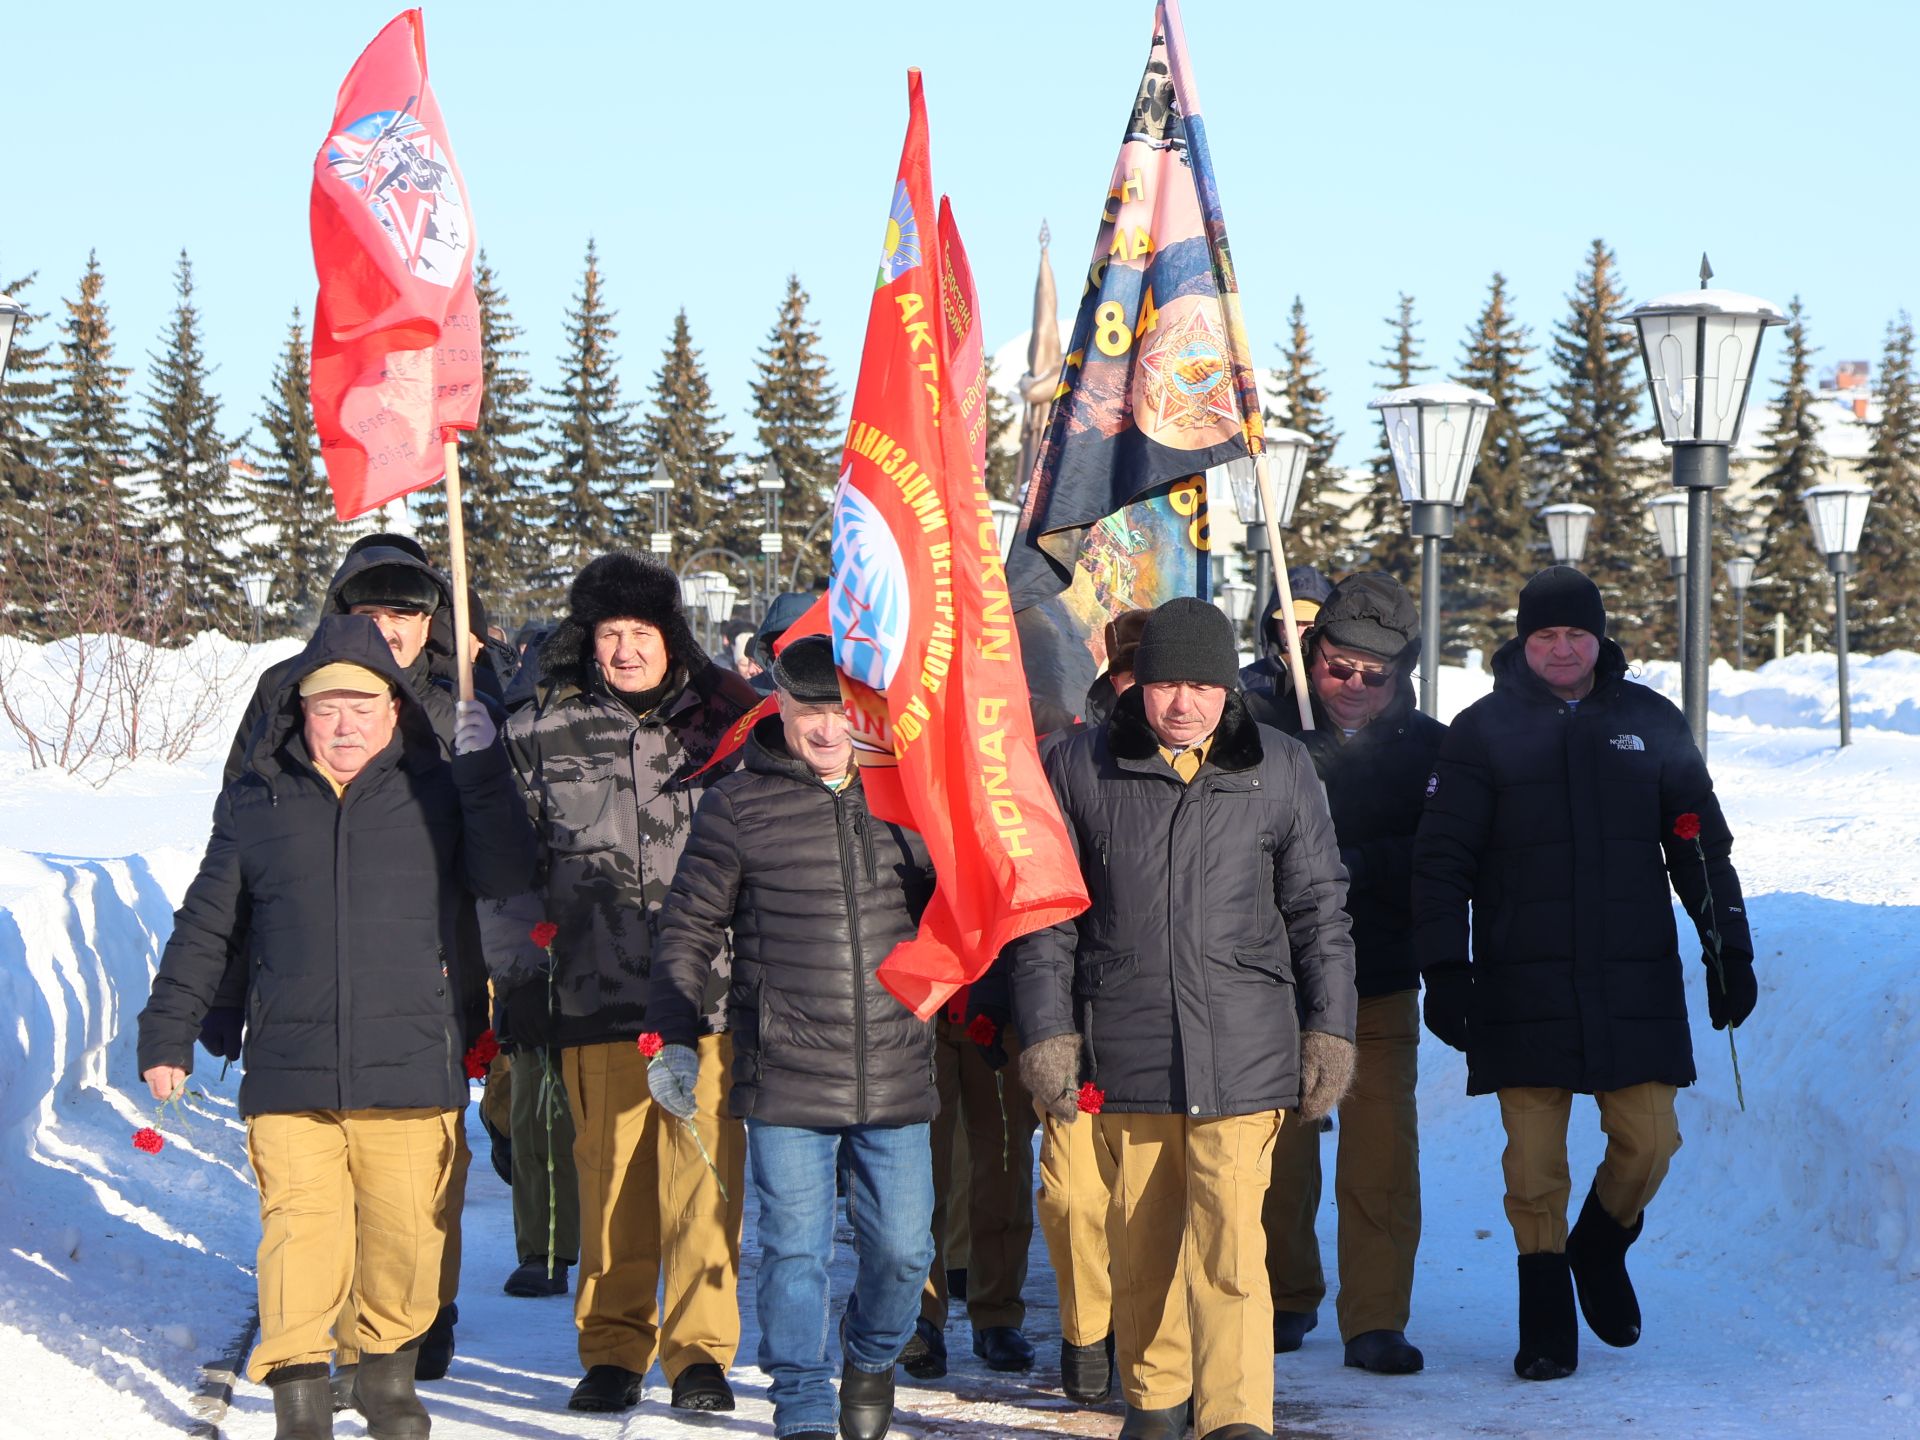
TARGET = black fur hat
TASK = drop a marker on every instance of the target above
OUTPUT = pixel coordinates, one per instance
(620, 586)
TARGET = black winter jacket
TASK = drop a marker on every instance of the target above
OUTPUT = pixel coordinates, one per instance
(349, 907)
(817, 892)
(1556, 822)
(1213, 904)
(1376, 787)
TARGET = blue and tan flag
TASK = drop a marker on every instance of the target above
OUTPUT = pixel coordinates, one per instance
(1157, 388)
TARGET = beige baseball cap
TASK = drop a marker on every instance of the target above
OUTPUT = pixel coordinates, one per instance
(344, 675)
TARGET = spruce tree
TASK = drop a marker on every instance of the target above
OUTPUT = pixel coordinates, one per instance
(87, 525)
(682, 429)
(27, 478)
(197, 520)
(796, 417)
(1790, 576)
(591, 483)
(1003, 478)
(1388, 544)
(503, 502)
(1492, 550)
(291, 497)
(1317, 536)
(1588, 457)
(1883, 594)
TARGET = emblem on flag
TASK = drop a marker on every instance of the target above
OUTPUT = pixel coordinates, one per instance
(901, 251)
(390, 159)
(871, 601)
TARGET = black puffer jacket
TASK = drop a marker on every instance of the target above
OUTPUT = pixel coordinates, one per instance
(1376, 787)
(817, 892)
(1216, 931)
(349, 906)
(1556, 823)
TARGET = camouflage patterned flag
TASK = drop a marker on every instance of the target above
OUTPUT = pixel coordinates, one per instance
(1157, 388)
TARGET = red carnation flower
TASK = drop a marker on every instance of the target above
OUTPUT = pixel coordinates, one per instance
(481, 1055)
(981, 1031)
(1687, 826)
(651, 1044)
(544, 933)
(1091, 1098)
(148, 1139)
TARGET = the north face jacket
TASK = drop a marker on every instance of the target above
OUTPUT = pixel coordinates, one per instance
(1216, 931)
(349, 907)
(816, 892)
(1554, 822)
(612, 797)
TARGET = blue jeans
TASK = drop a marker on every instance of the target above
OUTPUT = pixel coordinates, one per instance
(889, 1204)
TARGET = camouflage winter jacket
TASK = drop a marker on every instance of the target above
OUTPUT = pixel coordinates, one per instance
(612, 798)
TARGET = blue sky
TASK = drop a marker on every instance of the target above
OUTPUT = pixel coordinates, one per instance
(713, 148)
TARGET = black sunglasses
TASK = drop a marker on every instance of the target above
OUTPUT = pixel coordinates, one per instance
(1372, 679)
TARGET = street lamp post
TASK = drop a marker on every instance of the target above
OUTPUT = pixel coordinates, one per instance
(1739, 577)
(1567, 527)
(708, 594)
(1287, 452)
(1699, 347)
(11, 313)
(1672, 522)
(1837, 514)
(661, 485)
(1006, 523)
(1434, 432)
(258, 588)
(771, 489)
(1235, 598)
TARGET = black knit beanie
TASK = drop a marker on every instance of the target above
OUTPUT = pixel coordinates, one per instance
(1560, 595)
(1188, 640)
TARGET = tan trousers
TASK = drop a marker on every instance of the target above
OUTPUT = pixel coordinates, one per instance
(1073, 1216)
(651, 1217)
(352, 1207)
(1376, 1183)
(345, 1350)
(998, 1121)
(1192, 1315)
(1642, 1135)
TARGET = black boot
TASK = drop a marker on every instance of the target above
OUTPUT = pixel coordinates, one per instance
(436, 1346)
(1239, 1430)
(1003, 1347)
(1290, 1329)
(925, 1357)
(1086, 1371)
(1384, 1352)
(383, 1392)
(702, 1387)
(866, 1402)
(1549, 1335)
(1168, 1424)
(606, 1390)
(1597, 1252)
(302, 1408)
(342, 1385)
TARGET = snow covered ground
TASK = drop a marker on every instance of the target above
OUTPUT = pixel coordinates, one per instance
(1778, 1270)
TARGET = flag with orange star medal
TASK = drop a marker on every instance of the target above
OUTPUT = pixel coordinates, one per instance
(1157, 388)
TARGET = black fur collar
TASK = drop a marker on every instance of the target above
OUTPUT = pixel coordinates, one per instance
(1236, 743)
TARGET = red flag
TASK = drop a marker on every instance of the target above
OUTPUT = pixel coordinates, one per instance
(396, 335)
(922, 626)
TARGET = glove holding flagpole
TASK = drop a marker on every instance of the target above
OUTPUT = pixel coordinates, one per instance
(396, 336)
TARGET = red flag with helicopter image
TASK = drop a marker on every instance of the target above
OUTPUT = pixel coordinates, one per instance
(396, 334)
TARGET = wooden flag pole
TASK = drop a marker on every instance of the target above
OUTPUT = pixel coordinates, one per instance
(457, 546)
(1264, 478)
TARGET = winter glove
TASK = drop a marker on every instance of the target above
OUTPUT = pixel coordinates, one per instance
(1051, 1073)
(987, 1029)
(529, 1022)
(473, 727)
(1449, 988)
(1727, 1007)
(1326, 1072)
(220, 1031)
(671, 1075)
